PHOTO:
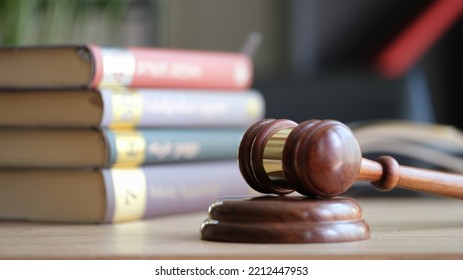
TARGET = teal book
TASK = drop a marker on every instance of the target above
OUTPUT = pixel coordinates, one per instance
(96, 148)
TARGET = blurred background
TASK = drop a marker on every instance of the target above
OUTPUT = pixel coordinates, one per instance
(315, 60)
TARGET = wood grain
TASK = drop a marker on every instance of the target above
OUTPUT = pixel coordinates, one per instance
(420, 228)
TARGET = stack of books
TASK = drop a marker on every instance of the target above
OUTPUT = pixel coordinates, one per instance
(100, 135)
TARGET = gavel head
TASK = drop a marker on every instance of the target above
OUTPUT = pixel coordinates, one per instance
(314, 158)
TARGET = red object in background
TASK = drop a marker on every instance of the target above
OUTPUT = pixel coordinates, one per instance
(418, 37)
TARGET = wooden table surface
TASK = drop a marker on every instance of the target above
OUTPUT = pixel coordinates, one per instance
(402, 228)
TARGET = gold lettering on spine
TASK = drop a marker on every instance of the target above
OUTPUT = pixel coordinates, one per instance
(254, 108)
(131, 147)
(273, 150)
(130, 193)
(127, 108)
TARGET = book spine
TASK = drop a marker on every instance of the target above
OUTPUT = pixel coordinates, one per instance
(151, 146)
(124, 107)
(151, 191)
(166, 68)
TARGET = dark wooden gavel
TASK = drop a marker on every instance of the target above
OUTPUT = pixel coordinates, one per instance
(323, 158)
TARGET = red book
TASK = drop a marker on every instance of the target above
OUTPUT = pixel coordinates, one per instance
(418, 37)
(95, 66)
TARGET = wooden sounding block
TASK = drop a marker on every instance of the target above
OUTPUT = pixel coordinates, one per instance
(285, 219)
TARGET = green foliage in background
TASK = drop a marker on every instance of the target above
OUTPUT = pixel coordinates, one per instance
(25, 22)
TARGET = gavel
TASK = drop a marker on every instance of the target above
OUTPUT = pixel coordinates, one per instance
(322, 158)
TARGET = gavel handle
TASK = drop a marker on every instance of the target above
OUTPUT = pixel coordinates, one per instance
(385, 173)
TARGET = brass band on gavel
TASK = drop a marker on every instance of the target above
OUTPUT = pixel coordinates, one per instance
(273, 153)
